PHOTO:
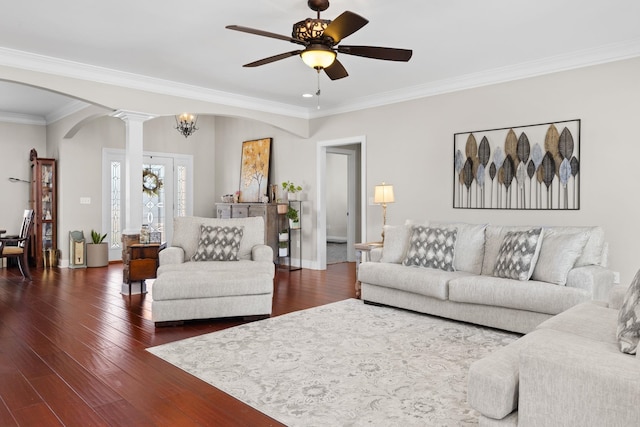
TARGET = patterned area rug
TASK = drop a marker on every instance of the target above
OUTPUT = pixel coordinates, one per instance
(344, 364)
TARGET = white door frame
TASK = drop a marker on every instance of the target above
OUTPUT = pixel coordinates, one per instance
(351, 198)
(321, 197)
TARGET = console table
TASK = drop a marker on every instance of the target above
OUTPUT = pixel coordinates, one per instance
(143, 263)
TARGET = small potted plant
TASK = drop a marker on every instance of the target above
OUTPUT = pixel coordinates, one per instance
(294, 218)
(97, 251)
(291, 189)
(283, 236)
(283, 248)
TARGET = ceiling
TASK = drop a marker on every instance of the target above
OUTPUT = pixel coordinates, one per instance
(456, 44)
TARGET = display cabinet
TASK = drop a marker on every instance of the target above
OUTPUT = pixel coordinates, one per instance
(43, 201)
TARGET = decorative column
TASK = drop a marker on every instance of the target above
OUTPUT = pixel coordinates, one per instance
(133, 181)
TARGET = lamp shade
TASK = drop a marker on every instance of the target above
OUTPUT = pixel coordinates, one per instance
(318, 56)
(383, 194)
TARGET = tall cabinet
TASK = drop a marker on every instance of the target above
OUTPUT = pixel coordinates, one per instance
(43, 201)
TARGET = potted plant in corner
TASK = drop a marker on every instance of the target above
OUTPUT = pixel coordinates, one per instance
(282, 248)
(283, 236)
(97, 251)
(291, 189)
(294, 218)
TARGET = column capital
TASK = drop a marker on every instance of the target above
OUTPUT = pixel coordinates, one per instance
(132, 116)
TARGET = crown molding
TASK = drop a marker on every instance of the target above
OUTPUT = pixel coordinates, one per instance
(23, 119)
(50, 65)
(553, 64)
(45, 64)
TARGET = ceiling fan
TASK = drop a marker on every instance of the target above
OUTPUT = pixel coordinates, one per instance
(320, 38)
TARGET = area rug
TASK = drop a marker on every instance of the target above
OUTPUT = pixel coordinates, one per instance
(344, 364)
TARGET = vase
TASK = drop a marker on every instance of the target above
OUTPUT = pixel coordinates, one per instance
(292, 196)
(97, 254)
(294, 224)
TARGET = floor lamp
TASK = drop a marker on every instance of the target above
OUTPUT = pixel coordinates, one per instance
(382, 195)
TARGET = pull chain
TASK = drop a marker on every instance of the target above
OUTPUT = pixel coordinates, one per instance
(318, 92)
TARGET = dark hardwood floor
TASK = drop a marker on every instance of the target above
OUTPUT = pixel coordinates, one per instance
(72, 351)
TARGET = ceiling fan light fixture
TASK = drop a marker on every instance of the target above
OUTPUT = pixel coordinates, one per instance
(309, 29)
(318, 56)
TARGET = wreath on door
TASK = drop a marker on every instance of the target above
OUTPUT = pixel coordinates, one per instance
(151, 182)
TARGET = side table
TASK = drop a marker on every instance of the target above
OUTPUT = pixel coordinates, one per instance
(143, 263)
(363, 249)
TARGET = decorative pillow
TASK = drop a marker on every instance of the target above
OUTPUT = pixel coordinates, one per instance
(469, 245)
(628, 332)
(518, 254)
(558, 255)
(431, 248)
(396, 241)
(218, 243)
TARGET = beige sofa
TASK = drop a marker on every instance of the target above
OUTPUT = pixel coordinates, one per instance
(568, 372)
(185, 289)
(570, 269)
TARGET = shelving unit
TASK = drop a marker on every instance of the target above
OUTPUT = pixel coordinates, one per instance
(294, 243)
(43, 201)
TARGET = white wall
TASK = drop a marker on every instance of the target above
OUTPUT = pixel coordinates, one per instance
(16, 141)
(337, 192)
(410, 145)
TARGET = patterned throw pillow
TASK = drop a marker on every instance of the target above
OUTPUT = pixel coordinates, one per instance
(431, 248)
(628, 332)
(218, 243)
(518, 254)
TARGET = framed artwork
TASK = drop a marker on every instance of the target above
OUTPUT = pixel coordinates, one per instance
(254, 170)
(527, 167)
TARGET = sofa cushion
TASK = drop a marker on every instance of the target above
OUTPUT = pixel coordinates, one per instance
(431, 248)
(469, 245)
(175, 285)
(628, 331)
(396, 242)
(518, 254)
(540, 297)
(429, 282)
(211, 267)
(588, 319)
(558, 254)
(218, 243)
(186, 233)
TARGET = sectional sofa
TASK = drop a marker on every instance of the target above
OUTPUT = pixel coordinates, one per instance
(475, 277)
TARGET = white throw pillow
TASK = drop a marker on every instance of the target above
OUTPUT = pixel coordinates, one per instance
(558, 255)
(518, 254)
(396, 242)
(469, 245)
(431, 248)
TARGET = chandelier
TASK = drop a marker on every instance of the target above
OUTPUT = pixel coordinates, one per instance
(186, 124)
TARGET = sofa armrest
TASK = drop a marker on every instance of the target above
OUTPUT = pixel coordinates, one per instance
(375, 255)
(262, 253)
(593, 278)
(171, 255)
(567, 380)
(616, 296)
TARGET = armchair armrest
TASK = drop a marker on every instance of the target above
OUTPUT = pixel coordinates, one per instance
(566, 380)
(262, 253)
(171, 255)
(616, 296)
(593, 278)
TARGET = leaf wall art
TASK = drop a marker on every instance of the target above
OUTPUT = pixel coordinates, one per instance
(524, 167)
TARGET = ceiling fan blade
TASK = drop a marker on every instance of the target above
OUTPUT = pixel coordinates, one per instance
(336, 70)
(264, 34)
(272, 59)
(376, 52)
(345, 25)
